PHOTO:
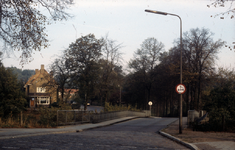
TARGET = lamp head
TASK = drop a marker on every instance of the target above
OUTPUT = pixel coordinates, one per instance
(156, 12)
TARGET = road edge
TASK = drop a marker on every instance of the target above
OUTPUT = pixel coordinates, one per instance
(188, 145)
(100, 126)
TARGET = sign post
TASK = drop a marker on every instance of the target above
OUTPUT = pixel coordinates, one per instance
(180, 89)
(150, 104)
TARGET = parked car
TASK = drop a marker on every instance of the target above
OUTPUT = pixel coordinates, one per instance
(75, 105)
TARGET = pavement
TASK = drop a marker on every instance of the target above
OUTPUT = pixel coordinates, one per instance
(6, 133)
(217, 145)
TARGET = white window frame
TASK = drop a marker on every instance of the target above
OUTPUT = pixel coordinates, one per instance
(41, 89)
(42, 99)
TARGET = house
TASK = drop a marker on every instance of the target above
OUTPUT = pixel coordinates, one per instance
(41, 89)
(69, 94)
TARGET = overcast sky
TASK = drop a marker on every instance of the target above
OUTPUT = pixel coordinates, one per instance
(126, 22)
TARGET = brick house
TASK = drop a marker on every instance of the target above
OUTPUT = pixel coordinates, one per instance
(41, 89)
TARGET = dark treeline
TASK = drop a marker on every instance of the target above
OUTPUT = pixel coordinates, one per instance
(22, 74)
(156, 81)
(155, 74)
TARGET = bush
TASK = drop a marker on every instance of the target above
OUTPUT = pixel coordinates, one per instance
(221, 107)
(109, 107)
(48, 117)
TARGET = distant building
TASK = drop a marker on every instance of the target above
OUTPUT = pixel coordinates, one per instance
(41, 89)
(69, 94)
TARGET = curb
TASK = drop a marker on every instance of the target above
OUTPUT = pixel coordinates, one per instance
(191, 146)
(106, 125)
(36, 134)
(65, 131)
(188, 145)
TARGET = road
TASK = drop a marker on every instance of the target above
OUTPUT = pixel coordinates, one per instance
(137, 134)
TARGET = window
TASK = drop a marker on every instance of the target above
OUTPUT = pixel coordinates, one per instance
(41, 90)
(43, 100)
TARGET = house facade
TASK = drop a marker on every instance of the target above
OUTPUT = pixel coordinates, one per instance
(41, 89)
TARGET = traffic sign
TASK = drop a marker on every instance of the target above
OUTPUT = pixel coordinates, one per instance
(180, 89)
(150, 103)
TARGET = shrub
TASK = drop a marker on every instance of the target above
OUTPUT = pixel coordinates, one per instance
(109, 107)
(47, 117)
(221, 107)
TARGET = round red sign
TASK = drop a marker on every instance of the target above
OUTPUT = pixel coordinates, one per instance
(180, 88)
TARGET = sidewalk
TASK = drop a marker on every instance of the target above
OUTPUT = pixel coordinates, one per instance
(6, 133)
(197, 140)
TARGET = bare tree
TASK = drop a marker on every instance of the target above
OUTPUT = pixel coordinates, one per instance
(230, 11)
(112, 57)
(22, 24)
(222, 3)
(61, 72)
(200, 52)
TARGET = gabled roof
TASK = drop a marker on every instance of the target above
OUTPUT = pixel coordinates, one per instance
(37, 74)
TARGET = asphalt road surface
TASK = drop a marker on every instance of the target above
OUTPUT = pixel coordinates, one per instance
(137, 134)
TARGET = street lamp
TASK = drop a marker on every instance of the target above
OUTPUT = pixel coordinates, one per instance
(180, 103)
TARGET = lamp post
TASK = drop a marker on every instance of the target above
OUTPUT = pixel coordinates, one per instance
(180, 102)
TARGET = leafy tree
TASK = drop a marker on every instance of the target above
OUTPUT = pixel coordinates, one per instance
(221, 107)
(134, 90)
(82, 58)
(12, 99)
(22, 24)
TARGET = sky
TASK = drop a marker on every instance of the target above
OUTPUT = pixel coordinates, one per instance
(126, 22)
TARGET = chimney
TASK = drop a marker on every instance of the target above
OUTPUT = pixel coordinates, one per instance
(42, 68)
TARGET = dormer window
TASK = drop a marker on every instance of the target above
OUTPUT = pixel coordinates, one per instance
(41, 90)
